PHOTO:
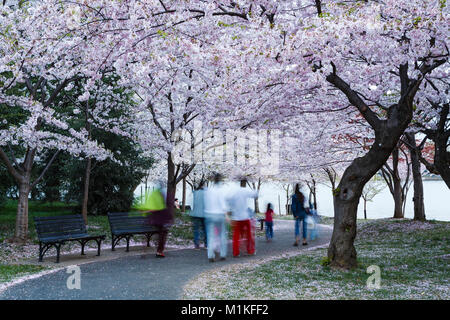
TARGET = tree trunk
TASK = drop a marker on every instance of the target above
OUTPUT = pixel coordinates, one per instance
(365, 209)
(398, 192)
(398, 200)
(419, 207)
(313, 193)
(331, 173)
(87, 176)
(171, 185)
(24, 184)
(441, 141)
(341, 252)
(256, 186)
(442, 159)
(315, 199)
(183, 204)
(256, 205)
(288, 211)
(279, 205)
(21, 231)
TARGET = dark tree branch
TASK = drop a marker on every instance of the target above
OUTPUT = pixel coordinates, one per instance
(185, 173)
(354, 99)
(14, 159)
(45, 170)
(9, 166)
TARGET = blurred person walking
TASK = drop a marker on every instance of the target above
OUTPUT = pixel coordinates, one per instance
(312, 220)
(198, 216)
(299, 212)
(160, 216)
(241, 218)
(215, 209)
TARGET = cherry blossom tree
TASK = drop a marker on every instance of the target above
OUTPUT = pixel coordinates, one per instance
(370, 190)
(397, 172)
(41, 62)
(436, 126)
(354, 53)
(414, 151)
(319, 71)
(379, 48)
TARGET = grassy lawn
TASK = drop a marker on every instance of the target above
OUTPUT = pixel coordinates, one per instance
(11, 272)
(10, 254)
(414, 259)
(96, 224)
(36, 208)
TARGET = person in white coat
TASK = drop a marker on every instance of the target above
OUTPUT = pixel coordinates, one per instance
(215, 214)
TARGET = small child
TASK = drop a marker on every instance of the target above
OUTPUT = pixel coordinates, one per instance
(312, 220)
(269, 222)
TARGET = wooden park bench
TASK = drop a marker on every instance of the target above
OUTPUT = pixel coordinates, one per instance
(126, 224)
(57, 230)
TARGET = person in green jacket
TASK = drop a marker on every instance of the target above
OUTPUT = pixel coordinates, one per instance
(158, 215)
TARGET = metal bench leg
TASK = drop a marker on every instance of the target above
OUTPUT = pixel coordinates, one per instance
(99, 243)
(41, 249)
(148, 239)
(58, 249)
(83, 243)
(128, 243)
(113, 243)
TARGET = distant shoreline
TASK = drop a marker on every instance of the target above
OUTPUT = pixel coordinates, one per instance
(432, 179)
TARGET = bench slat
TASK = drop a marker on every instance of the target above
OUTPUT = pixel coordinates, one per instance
(55, 230)
(65, 237)
(129, 223)
(61, 226)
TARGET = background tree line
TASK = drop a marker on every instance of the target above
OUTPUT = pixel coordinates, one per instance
(110, 182)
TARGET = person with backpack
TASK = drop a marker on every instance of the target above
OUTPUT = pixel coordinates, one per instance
(299, 213)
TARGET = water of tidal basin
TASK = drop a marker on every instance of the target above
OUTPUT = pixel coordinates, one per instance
(437, 200)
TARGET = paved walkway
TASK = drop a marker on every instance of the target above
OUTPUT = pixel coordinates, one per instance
(133, 277)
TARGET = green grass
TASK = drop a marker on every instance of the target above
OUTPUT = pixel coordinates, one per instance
(414, 259)
(36, 208)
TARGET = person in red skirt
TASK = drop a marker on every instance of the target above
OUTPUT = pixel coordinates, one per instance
(241, 220)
